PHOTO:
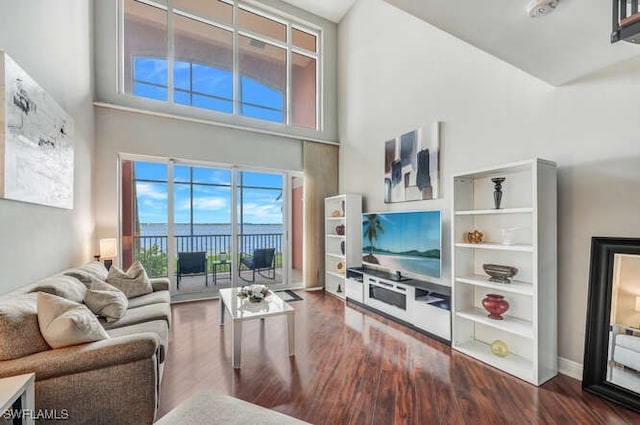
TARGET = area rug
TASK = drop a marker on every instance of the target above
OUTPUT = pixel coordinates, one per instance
(288, 295)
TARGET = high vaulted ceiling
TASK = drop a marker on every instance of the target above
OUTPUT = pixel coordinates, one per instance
(333, 10)
(569, 43)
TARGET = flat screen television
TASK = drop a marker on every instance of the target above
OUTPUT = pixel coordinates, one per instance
(409, 242)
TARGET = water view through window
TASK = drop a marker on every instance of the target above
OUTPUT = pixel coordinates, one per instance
(202, 205)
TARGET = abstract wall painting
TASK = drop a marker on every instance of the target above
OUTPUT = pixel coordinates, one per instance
(412, 165)
(36, 146)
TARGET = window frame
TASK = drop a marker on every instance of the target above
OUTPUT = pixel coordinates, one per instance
(290, 23)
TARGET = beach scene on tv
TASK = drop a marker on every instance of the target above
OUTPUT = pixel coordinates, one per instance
(407, 241)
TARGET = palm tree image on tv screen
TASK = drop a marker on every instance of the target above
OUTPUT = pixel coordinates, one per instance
(404, 241)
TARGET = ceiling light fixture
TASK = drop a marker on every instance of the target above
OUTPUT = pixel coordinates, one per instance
(538, 8)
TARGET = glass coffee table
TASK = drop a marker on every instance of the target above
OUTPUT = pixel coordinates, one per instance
(241, 309)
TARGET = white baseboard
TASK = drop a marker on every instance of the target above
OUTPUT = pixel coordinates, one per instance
(314, 288)
(570, 368)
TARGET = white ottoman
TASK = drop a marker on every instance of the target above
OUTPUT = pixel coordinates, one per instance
(209, 408)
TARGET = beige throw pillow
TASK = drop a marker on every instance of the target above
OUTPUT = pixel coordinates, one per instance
(82, 275)
(133, 283)
(64, 323)
(64, 286)
(19, 331)
(95, 268)
(106, 301)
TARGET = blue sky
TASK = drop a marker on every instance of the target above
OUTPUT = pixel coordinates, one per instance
(211, 204)
(407, 231)
(215, 86)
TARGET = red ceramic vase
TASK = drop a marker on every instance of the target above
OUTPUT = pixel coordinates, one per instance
(496, 305)
(340, 229)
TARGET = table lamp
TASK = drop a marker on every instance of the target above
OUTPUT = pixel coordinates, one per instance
(108, 251)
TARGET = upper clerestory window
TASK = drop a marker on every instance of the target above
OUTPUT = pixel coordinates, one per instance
(224, 56)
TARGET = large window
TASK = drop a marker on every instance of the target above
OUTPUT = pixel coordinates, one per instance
(165, 218)
(224, 56)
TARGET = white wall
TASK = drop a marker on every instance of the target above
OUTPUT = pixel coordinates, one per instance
(133, 133)
(52, 42)
(397, 73)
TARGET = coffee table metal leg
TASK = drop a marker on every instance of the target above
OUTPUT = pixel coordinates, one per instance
(221, 312)
(291, 329)
(236, 336)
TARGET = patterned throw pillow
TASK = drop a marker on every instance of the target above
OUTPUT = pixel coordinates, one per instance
(133, 283)
(106, 301)
(64, 323)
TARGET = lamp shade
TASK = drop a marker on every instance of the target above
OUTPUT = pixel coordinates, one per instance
(108, 248)
(637, 303)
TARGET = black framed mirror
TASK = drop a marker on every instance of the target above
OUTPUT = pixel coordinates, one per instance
(612, 340)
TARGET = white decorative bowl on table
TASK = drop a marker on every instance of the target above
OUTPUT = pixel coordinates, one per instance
(255, 293)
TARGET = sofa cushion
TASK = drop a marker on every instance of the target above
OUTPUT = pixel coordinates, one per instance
(144, 313)
(19, 331)
(160, 283)
(631, 342)
(153, 298)
(63, 286)
(64, 323)
(133, 283)
(158, 327)
(106, 301)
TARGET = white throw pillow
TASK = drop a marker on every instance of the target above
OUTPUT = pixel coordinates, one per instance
(106, 300)
(64, 323)
(133, 283)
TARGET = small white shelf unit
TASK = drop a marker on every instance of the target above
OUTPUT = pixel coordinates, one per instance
(342, 251)
(528, 214)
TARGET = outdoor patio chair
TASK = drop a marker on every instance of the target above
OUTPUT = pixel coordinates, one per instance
(192, 264)
(261, 260)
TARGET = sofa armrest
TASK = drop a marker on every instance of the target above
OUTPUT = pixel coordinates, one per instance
(85, 357)
(160, 284)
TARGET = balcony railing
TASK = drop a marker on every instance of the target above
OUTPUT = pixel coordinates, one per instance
(151, 251)
(626, 21)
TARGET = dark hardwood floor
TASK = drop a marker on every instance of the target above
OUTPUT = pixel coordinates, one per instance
(355, 367)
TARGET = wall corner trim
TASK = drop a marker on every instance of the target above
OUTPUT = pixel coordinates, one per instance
(570, 368)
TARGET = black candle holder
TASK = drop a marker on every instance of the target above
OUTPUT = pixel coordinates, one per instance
(497, 193)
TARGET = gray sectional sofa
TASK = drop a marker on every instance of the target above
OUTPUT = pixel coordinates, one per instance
(113, 381)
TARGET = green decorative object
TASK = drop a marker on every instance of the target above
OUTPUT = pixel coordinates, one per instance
(499, 348)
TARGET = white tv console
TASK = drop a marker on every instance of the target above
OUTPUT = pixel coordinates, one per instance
(419, 304)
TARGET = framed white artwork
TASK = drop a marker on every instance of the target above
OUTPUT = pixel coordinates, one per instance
(36, 146)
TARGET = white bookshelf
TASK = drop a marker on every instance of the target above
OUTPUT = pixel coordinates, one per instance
(529, 211)
(350, 208)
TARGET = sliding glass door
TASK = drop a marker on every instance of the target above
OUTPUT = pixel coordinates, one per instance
(177, 219)
(260, 227)
(202, 227)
